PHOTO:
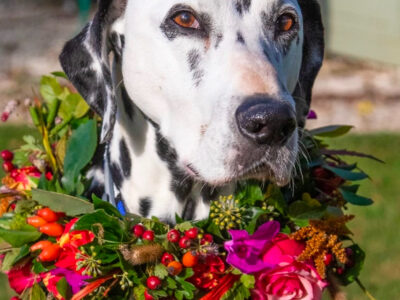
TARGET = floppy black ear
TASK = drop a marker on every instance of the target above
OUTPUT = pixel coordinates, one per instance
(313, 54)
(85, 60)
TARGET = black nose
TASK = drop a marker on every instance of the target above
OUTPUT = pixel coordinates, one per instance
(265, 120)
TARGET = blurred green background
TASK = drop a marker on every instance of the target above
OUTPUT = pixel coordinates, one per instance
(375, 228)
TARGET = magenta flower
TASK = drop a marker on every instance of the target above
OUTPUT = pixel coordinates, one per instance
(245, 251)
(75, 280)
(312, 115)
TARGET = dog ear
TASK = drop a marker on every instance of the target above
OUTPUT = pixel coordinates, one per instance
(313, 54)
(85, 60)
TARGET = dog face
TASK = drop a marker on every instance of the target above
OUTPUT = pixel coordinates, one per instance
(227, 82)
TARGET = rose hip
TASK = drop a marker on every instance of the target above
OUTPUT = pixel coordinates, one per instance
(47, 214)
(52, 229)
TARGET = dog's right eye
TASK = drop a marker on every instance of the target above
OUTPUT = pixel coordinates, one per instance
(186, 19)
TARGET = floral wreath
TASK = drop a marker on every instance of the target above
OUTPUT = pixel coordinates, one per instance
(263, 242)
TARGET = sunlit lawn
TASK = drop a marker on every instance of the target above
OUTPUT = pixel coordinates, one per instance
(376, 228)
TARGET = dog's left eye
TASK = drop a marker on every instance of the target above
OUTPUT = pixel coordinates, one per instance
(186, 19)
(286, 22)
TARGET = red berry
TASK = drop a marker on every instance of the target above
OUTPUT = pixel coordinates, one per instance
(8, 166)
(184, 242)
(208, 238)
(167, 258)
(147, 296)
(48, 214)
(148, 235)
(7, 155)
(328, 259)
(138, 230)
(153, 282)
(49, 176)
(17, 298)
(52, 229)
(192, 233)
(173, 236)
(340, 271)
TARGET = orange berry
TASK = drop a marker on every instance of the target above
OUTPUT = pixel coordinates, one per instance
(52, 229)
(190, 259)
(47, 214)
(40, 245)
(50, 253)
(36, 221)
(174, 268)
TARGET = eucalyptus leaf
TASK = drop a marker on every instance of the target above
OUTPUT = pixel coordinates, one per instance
(356, 199)
(331, 131)
(70, 205)
(347, 175)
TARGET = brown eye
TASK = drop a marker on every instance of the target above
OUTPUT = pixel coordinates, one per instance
(285, 22)
(187, 20)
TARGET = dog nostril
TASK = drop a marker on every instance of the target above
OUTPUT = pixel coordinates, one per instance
(266, 121)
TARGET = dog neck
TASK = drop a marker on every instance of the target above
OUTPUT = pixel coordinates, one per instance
(144, 171)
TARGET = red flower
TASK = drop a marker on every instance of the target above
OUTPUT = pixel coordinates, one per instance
(70, 243)
(21, 179)
(208, 272)
(21, 278)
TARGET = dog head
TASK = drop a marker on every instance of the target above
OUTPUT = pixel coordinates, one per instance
(227, 82)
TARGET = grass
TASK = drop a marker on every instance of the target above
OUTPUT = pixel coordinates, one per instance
(375, 228)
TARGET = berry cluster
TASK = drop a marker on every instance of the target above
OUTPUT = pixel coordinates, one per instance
(7, 157)
(46, 220)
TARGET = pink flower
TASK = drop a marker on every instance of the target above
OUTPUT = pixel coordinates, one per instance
(295, 281)
(21, 278)
(22, 178)
(282, 250)
(245, 251)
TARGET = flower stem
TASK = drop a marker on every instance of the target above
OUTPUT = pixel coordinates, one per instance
(366, 292)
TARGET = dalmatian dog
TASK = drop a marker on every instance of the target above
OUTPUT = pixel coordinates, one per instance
(195, 96)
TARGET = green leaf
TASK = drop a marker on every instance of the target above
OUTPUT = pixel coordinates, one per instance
(249, 193)
(23, 252)
(138, 291)
(184, 226)
(70, 205)
(18, 238)
(331, 131)
(171, 283)
(37, 293)
(302, 210)
(9, 259)
(185, 274)
(256, 214)
(108, 208)
(347, 175)
(73, 106)
(351, 274)
(248, 281)
(355, 199)
(59, 74)
(64, 289)
(80, 150)
(50, 89)
(101, 223)
(160, 271)
(274, 197)
(38, 267)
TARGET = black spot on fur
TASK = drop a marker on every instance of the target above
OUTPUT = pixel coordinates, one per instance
(194, 62)
(194, 59)
(209, 194)
(240, 38)
(116, 174)
(181, 186)
(219, 40)
(242, 6)
(189, 209)
(144, 206)
(125, 159)
(127, 103)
